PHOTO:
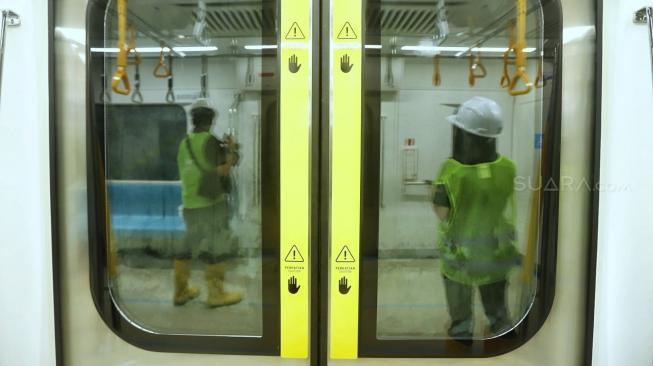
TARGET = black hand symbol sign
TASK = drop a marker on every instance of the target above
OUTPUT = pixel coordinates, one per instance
(344, 289)
(345, 66)
(293, 65)
(292, 285)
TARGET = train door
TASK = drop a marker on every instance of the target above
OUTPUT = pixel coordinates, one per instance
(421, 266)
(156, 99)
(332, 129)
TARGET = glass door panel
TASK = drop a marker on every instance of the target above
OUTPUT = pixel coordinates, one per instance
(442, 198)
(199, 176)
(437, 143)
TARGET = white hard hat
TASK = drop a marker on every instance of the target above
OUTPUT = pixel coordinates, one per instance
(479, 116)
(202, 103)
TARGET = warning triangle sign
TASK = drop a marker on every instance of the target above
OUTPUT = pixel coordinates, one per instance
(295, 32)
(345, 256)
(347, 32)
(294, 255)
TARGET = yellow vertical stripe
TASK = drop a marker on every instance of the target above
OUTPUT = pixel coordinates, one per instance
(346, 76)
(295, 120)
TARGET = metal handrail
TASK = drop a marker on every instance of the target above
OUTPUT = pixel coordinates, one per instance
(9, 18)
(645, 16)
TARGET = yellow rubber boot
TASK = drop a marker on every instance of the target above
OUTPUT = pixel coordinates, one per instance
(215, 283)
(183, 293)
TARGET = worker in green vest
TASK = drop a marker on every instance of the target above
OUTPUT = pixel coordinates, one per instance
(205, 163)
(473, 196)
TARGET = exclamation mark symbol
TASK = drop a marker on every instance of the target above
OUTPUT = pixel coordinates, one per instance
(293, 254)
(294, 32)
(345, 255)
(346, 35)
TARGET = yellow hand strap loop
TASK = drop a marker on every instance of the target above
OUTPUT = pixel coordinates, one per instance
(520, 59)
(162, 71)
(507, 60)
(121, 77)
(505, 77)
(476, 69)
(437, 79)
(520, 75)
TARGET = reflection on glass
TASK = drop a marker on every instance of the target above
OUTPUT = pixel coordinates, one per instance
(205, 164)
(472, 197)
(458, 167)
(183, 168)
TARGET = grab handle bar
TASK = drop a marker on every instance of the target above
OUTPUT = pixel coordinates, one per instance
(9, 18)
(645, 16)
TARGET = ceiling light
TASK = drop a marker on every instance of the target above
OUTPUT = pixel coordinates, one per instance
(261, 47)
(461, 49)
(152, 49)
(196, 49)
(104, 50)
(158, 49)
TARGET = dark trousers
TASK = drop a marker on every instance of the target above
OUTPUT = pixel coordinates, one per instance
(459, 302)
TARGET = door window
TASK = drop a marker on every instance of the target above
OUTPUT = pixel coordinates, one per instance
(459, 175)
(184, 170)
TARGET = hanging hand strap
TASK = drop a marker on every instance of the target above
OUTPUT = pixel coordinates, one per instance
(539, 80)
(505, 77)
(162, 71)
(170, 96)
(121, 77)
(105, 97)
(520, 75)
(204, 78)
(520, 60)
(476, 69)
(437, 79)
(137, 97)
(132, 46)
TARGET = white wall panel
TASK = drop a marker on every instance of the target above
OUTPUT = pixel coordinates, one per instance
(623, 333)
(26, 305)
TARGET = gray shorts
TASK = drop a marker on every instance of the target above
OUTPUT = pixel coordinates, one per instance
(208, 236)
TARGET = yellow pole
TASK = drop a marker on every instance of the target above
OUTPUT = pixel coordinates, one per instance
(534, 219)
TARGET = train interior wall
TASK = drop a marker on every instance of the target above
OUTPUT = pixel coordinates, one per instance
(27, 334)
(624, 292)
(623, 295)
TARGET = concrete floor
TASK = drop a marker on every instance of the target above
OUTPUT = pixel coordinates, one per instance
(145, 295)
(411, 301)
(412, 304)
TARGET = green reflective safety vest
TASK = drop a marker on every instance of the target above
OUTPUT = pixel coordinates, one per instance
(476, 241)
(191, 175)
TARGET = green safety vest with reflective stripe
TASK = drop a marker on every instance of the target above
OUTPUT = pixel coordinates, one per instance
(191, 175)
(476, 241)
